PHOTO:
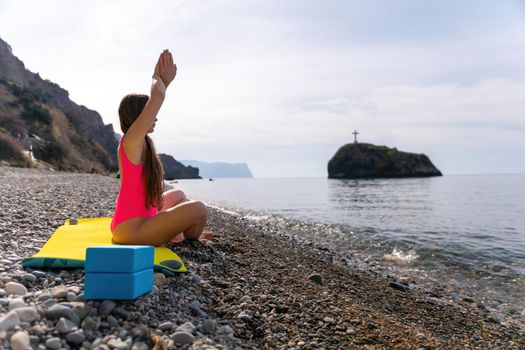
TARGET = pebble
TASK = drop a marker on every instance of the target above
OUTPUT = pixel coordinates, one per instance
(89, 324)
(187, 327)
(244, 298)
(38, 329)
(20, 341)
(73, 289)
(209, 325)
(49, 302)
(159, 279)
(141, 346)
(38, 274)
(58, 311)
(82, 309)
(76, 338)
(165, 326)
(79, 297)
(468, 300)
(183, 338)
(64, 326)
(136, 332)
(44, 296)
(9, 321)
(196, 308)
(120, 312)
(26, 314)
(280, 309)
(16, 303)
(59, 292)
(399, 286)
(29, 277)
(112, 321)
(315, 277)
(15, 288)
(53, 343)
(119, 344)
(70, 296)
(226, 330)
(244, 316)
(329, 320)
(196, 279)
(106, 307)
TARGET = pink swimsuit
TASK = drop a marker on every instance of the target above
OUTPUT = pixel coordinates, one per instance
(131, 196)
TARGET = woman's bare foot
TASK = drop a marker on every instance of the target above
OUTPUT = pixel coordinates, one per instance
(205, 237)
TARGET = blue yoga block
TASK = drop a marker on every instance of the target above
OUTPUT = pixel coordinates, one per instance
(119, 258)
(117, 286)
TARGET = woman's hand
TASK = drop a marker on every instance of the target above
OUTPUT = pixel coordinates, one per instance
(165, 68)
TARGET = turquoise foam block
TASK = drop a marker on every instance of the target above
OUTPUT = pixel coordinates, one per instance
(117, 286)
(119, 258)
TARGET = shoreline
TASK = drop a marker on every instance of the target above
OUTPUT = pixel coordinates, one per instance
(503, 309)
(252, 287)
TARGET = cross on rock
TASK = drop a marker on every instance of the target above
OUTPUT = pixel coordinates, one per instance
(355, 136)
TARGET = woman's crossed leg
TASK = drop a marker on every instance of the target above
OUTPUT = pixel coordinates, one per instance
(188, 217)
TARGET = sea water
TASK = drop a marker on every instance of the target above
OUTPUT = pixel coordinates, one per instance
(464, 233)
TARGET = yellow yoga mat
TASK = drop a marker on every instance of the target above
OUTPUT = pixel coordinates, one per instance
(67, 247)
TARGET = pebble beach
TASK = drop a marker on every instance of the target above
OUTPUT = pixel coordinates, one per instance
(254, 286)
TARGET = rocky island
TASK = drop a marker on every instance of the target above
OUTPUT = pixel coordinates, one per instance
(365, 160)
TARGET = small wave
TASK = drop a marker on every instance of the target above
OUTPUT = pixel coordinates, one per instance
(227, 211)
(398, 256)
(256, 217)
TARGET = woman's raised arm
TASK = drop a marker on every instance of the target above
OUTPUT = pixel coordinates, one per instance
(139, 129)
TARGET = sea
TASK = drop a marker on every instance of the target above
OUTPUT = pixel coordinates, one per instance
(460, 235)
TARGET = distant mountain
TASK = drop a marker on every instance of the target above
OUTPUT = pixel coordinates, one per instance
(364, 160)
(38, 112)
(220, 169)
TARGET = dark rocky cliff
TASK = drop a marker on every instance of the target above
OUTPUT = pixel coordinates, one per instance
(176, 170)
(364, 160)
(75, 137)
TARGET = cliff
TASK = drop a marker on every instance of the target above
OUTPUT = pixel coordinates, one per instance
(364, 160)
(176, 170)
(220, 169)
(70, 137)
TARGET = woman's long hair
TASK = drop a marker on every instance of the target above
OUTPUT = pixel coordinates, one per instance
(152, 172)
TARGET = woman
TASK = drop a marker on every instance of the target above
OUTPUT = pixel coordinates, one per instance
(144, 214)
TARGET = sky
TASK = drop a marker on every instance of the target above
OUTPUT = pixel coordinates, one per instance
(281, 85)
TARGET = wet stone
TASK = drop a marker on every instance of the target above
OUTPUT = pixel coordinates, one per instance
(399, 286)
(315, 277)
